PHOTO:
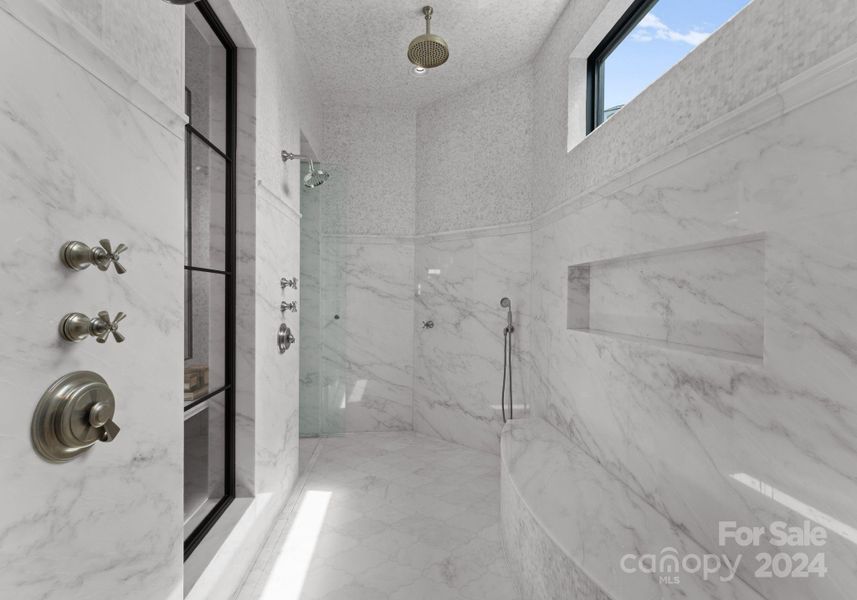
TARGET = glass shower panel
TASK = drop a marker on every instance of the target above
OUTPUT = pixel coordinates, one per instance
(333, 338)
(309, 342)
(323, 312)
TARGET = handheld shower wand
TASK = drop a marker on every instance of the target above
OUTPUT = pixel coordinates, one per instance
(507, 304)
(507, 356)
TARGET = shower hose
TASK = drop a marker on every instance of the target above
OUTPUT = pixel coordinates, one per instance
(507, 367)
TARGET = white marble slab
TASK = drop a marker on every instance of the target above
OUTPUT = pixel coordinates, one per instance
(684, 430)
(706, 299)
(557, 499)
(78, 162)
(372, 342)
(393, 516)
(459, 362)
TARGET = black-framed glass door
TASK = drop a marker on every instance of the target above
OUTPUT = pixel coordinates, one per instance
(209, 381)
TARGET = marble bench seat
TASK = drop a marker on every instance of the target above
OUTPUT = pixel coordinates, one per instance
(567, 523)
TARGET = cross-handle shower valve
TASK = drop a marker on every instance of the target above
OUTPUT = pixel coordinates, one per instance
(78, 256)
(290, 306)
(76, 327)
(289, 283)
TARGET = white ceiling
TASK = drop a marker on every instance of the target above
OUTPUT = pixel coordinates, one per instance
(357, 48)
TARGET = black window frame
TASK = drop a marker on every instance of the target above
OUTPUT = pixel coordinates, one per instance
(229, 154)
(595, 63)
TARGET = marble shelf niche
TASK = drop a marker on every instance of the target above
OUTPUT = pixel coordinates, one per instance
(707, 298)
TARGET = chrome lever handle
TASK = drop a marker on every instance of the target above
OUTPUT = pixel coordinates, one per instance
(78, 256)
(76, 327)
(111, 430)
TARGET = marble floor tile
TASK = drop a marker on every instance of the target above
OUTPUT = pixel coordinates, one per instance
(388, 516)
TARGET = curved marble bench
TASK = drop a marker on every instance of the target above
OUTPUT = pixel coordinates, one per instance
(567, 523)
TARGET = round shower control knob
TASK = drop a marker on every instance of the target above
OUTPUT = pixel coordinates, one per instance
(285, 339)
(75, 412)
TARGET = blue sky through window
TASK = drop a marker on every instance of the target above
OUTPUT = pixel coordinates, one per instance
(665, 35)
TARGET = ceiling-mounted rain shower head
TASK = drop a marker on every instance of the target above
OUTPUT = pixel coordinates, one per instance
(428, 50)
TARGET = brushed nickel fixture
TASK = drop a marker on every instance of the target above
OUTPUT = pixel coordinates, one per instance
(285, 339)
(315, 177)
(78, 256)
(289, 283)
(76, 327)
(428, 50)
(74, 413)
(506, 303)
(290, 306)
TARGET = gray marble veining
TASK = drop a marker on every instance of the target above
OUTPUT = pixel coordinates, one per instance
(683, 430)
(63, 179)
(562, 509)
(459, 363)
(707, 299)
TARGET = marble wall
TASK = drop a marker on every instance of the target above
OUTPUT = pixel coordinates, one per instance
(703, 438)
(96, 149)
(708, 298)
(465, 172)
(460, 280)
(78, 161)
(369, 349)
(146, 46)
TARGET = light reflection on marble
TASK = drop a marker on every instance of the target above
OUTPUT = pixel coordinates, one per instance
(560, 507)
(409, 517)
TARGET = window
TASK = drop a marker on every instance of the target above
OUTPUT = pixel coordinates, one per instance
(651, 37)
(209, 366)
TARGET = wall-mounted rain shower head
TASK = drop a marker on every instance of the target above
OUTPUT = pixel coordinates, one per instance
(315, 177)
(428, 50)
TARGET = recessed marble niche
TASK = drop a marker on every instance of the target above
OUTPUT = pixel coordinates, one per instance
(707, 298)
